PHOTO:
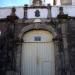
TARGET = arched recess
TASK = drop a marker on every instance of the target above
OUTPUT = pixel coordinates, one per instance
(45, 27)
(38, 53)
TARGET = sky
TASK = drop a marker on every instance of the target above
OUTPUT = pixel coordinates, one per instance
(7, 3)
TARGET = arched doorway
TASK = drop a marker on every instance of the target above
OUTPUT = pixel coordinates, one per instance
(38, 53)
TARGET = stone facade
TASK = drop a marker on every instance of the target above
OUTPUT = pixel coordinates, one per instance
(11, 38)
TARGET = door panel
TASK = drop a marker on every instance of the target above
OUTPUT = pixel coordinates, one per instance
(29, 59)
(38, 59)
(46, 58)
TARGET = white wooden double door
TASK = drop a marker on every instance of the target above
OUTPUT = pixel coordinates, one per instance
(38, 54)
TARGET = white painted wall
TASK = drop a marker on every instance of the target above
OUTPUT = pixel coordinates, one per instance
(4, 12)
(73, 2)
(70, 10)
(43, 13)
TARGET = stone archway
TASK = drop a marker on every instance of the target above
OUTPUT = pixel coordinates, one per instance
(38, 53)
(45, 27)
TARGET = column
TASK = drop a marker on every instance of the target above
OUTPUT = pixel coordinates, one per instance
(49, 11)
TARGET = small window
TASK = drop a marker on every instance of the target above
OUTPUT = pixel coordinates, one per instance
(37, 38)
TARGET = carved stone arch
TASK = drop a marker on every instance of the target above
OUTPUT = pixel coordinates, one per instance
(48, 28)
(37, 27)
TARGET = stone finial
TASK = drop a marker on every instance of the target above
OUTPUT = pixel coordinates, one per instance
(49, 11)
(61, 16)
(13, 10)
(25, 11)
(61, 11)
(12, 17)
